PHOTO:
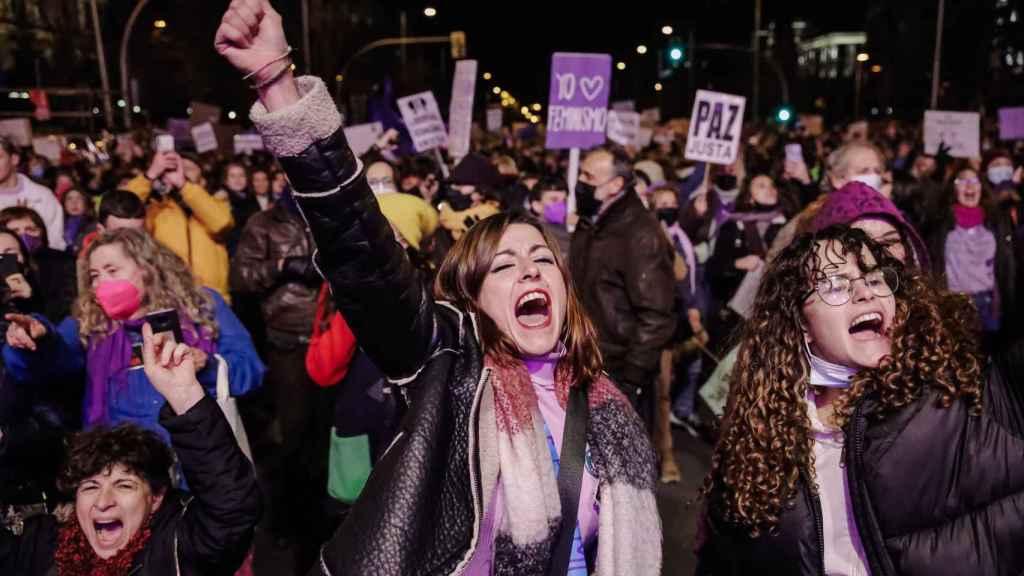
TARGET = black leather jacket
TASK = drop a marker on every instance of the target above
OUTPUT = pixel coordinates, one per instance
(622, 267)
(421, 509)
(935, 491)
(208, 532)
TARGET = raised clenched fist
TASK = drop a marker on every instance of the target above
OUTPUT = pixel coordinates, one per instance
(251, 35)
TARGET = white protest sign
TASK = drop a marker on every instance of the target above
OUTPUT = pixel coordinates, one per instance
(19, 130)
(248, 143)
(715, 127)
(49, 147)
(494, 119)
(204, 137)
(460, 112)
(650, 116)
(643, 137)
(623, 127)
(362, 137)
(959, 131)
(423, 119)
(627, 105)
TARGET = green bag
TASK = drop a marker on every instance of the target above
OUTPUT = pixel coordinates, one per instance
(348, 465)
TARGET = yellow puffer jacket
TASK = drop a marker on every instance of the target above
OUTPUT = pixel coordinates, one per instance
(194, 238)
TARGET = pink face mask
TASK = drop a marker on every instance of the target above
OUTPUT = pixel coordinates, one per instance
(118, 298)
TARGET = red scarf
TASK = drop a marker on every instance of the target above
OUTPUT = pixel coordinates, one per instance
(968, 217)
(75, 556)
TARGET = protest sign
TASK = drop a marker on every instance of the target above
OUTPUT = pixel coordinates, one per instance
(494, 119)
(204, 137)
(1011, 123)
(202, 112)
(623, 127)
(248, 143)
(19, 130)
(49, 147)
(650, 117)
(625, 105)
(460, 112)
(578, 100)
(643, 137)
(959, 131)
(814, 124)
(179, 128)
(715, 127)
(362, 137)
(423, 120)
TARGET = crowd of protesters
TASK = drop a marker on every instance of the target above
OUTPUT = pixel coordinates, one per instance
(446, 327)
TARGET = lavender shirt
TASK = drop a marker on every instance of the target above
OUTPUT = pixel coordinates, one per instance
(970, 260)
(542, 375)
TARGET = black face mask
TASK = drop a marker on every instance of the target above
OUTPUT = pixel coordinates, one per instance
(586, 199)
(725, 182)
(459, 201)
(667, 216)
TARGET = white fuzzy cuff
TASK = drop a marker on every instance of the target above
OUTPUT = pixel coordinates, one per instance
(289, 131)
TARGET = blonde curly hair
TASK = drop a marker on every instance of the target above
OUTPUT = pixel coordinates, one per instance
(169, 284)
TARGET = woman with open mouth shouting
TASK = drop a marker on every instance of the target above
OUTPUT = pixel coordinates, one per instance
(865, 433)
(127, 518)
(517, 456)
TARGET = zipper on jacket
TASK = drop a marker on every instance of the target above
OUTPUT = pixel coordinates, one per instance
(819, 522)
(865, 527)
(474, 475)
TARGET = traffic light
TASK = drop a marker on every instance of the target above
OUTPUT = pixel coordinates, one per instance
(783, 115)
(676, 52)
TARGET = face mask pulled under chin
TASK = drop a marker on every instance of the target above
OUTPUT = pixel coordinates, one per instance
(828, 374)
(872, 180)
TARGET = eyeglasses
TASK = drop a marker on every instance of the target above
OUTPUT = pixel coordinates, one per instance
(838, 290)
(965, 182)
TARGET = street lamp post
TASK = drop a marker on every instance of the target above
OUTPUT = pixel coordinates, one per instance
(108, 107)
(125, 38)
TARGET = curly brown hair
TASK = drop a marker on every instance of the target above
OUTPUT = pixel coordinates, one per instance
(766, 445)
(99, 449)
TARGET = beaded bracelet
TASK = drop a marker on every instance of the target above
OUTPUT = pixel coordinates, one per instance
(261, 68)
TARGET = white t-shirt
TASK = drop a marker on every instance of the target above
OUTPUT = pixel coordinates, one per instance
(844, 553)
(41, 199)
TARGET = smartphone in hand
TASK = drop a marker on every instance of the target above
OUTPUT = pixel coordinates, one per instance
(8, 266)
(164, 143)
(162, 322)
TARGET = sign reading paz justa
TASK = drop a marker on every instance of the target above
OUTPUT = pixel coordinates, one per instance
(423, 119)
(715, 127)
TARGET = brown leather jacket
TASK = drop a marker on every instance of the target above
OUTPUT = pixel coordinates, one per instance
(622, 267)
(288, 297)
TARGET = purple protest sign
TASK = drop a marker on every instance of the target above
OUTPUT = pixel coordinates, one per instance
(578, 101)
(1011, 123)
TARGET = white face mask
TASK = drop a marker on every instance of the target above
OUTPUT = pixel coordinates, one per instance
(999, 174)
(382, 187)
(873, 180)
(828, 374)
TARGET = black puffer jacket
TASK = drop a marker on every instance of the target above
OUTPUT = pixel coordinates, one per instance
(934, 490)
(622, 267)
(208, 532)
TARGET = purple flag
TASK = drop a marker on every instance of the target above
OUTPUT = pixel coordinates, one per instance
(1011, 123)
(578, 102)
